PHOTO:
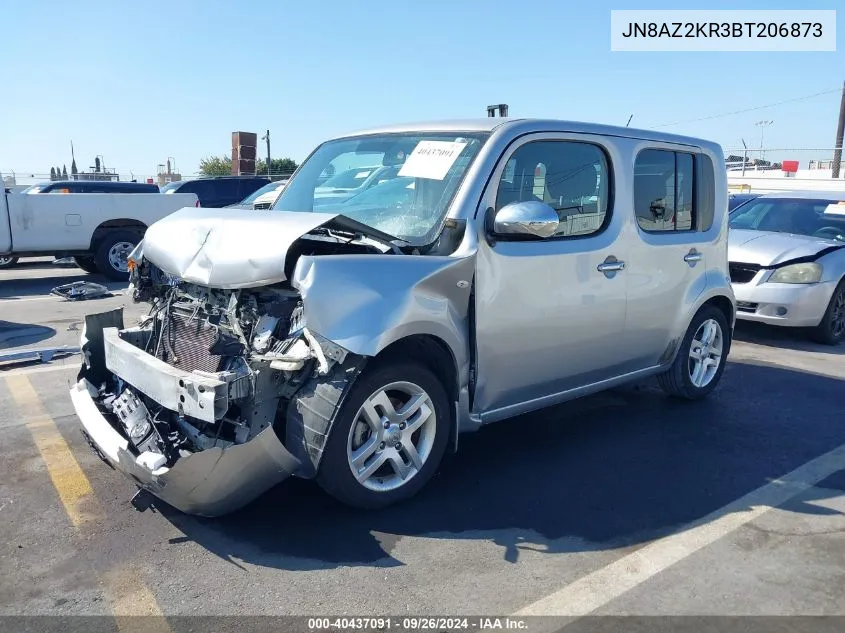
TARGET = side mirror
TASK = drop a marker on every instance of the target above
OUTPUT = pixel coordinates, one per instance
(531, 218)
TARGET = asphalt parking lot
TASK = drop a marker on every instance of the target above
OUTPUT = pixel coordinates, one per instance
(625, 503)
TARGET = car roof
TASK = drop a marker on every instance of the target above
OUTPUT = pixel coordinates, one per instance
(807, 195)
(88, 181)
(524, 125)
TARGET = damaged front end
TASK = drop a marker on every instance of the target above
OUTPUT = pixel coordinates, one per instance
(189, 403)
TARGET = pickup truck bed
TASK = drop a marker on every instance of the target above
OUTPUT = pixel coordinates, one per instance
(97, 229)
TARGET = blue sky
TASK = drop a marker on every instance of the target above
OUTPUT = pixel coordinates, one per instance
(138, 82)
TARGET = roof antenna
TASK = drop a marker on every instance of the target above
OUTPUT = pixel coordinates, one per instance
(629, 120)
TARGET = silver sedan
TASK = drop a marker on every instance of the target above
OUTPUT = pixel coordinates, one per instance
(787, 261)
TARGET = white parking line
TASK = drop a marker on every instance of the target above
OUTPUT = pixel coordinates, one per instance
(595, 590)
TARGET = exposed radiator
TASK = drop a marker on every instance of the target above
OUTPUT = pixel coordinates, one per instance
(186, 342)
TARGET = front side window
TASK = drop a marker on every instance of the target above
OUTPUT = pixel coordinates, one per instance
(663, 190)
(431, 166)
(570, 176)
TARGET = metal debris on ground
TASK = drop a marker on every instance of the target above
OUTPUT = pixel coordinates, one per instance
(80, 290)
(45, 354)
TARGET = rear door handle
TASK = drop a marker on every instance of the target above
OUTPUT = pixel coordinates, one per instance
(610, 267)
(692, 257)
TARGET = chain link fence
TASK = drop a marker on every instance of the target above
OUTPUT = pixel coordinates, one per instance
(819, 161)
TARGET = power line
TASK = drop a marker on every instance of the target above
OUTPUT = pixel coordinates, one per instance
(762, 107)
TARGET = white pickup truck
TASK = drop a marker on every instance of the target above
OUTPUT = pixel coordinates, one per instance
(98, 230)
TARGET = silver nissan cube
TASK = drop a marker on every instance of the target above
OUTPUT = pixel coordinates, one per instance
(490, 268)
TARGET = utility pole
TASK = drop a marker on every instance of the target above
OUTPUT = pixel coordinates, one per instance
(266, 137)
(744, 157)
(762, 125)
(840, 132)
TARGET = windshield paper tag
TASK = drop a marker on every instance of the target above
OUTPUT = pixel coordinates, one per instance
(835, 209)
(431, 159)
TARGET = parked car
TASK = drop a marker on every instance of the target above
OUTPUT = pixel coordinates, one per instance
(351, 182)
(262, 198)
(98, 230)
(535, 262)
(218, 191)
(737, 199)
(787, 261)
(92, 186)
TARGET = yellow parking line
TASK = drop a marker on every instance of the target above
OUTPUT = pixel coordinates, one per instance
(70, 482)
(126, 593)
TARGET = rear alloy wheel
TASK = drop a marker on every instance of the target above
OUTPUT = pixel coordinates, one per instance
(700, 361)
(8, 262)
(86, 263)
(388, 438)
(111, 257)
(831, 330)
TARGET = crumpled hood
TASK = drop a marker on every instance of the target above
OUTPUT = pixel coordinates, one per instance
(766, 248)
(227, 248)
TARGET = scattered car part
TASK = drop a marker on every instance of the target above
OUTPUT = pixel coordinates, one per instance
(81, 290)
(43, 354)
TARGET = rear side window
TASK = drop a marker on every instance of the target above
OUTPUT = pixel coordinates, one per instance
(664, 191)
(203, 188)
(248, 186)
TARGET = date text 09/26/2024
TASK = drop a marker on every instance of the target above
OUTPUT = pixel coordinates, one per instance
(416, 624)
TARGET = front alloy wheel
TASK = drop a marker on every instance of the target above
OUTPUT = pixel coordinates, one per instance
(388, 438)
(392, 436)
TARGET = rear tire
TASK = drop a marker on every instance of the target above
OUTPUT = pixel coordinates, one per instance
(8, 262)
(384, 477)
(831, 330)
(693, 375)
(86, 263)
(110, 256)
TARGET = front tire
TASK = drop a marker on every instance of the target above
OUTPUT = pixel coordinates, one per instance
(700, 361)
(8, 262)
(831, 330)
(112, 252)
(86, 263)
(388, 438)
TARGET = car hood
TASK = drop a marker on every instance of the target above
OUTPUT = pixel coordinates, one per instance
(220, 249)
(766, 248)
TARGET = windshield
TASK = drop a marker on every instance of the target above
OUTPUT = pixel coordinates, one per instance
(787, 215)
(34, 189)
(260, 192)
(171, 186)
(408, 191)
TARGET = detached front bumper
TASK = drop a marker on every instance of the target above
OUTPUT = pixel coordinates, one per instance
(791, 305)
(208, 483)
